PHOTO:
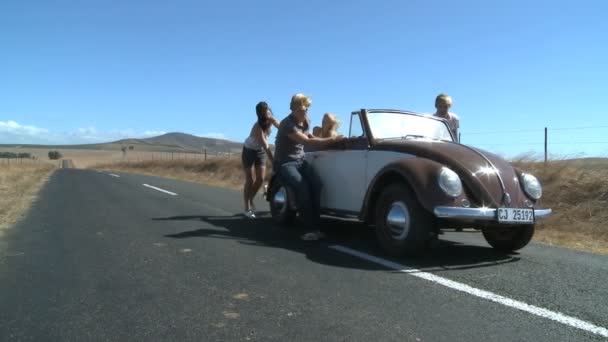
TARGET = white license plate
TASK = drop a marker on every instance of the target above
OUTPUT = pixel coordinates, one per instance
(512, 215)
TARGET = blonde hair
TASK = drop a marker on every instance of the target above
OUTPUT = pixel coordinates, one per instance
(445, 98)
(334, 123)
(300, 101)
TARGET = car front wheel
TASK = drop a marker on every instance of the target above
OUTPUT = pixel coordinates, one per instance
(281, 204)
(403, 226)
(509, 239)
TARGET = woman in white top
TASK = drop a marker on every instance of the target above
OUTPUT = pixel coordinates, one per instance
(254, 154)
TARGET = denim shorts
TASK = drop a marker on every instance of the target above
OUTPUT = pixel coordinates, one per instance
(251, 157)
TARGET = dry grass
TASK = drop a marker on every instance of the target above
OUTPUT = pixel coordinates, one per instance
(215, 171)
(19, 185)
(577, 191)
(85, 158)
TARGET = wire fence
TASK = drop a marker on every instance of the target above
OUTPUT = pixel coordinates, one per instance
(91, 157)
(203, 155)
(547, 141)
(19, 161)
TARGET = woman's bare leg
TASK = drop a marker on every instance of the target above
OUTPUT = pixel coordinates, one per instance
(247, 187)
(260, 173)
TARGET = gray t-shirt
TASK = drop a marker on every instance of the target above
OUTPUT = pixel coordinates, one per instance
(286, 149)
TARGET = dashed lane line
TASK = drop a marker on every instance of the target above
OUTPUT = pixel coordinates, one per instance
(159, 189)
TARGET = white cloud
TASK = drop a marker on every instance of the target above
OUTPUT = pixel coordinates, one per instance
(92, 134)
(15, 129)
(213, 135)
(12, 132)
(153, 133)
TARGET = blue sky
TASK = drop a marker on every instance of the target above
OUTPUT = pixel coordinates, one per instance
(90, 71)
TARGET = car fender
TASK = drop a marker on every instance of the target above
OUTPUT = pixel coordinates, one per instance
(420, 174)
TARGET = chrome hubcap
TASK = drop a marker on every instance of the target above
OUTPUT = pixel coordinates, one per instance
(280, 199)
(398, 220)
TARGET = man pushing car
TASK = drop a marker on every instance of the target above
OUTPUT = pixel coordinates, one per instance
(291, 168)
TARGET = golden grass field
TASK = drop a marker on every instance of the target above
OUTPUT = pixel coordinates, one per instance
(84, 158)
(576, 191)
(218, 171)
(19, 185)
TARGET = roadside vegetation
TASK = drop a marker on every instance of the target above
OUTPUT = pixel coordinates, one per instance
(576, 190)
(218, 171)
(19, 186)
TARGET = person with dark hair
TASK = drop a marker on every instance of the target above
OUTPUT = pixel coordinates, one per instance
(255, 150)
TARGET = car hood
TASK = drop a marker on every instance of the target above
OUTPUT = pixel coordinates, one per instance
(479, 170)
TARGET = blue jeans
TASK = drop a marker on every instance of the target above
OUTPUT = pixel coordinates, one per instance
(306, 184)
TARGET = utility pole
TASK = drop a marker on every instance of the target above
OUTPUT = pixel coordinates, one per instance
(545, 145)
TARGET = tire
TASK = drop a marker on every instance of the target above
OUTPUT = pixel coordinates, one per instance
(509, 239)
(409, 231)
(280, 201)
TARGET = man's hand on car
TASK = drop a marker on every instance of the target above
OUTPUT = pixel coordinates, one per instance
(341, 142)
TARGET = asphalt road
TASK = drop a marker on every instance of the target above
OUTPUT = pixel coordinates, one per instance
(103, 257)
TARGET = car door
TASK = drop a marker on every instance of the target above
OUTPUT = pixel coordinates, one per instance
(343, 176)
(343, 172)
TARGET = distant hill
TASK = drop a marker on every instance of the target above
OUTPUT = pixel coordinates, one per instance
(182, 142)
(170, 142)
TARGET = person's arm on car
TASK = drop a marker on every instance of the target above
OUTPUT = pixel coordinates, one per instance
(313, 141)
(456, 125)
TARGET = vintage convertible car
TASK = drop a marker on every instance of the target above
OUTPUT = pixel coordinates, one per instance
(405, 174)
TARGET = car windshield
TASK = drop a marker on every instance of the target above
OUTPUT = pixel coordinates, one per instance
(386, 125)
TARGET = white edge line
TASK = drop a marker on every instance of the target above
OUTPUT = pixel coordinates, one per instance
(535, 310)
(113, 175)
(159, 189)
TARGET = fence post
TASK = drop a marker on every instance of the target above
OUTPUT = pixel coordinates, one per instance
(545, 145)
(205, 152)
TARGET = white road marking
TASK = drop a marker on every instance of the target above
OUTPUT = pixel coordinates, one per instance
(159, 189)
(535, 310)
(113, 175)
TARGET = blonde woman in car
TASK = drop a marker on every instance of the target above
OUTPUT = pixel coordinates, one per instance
(330, 126)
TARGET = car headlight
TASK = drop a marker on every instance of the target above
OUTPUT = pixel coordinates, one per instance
(532, 186)
(450, 183)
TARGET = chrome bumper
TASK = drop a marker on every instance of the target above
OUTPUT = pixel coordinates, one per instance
(480, 214)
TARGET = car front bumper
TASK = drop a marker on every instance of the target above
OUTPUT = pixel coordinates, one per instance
(480, 214)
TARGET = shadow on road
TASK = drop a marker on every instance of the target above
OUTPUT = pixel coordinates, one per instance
(263, 232)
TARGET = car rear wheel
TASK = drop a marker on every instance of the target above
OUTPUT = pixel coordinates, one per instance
(403, 226)
(509, 239)
(281, 204)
